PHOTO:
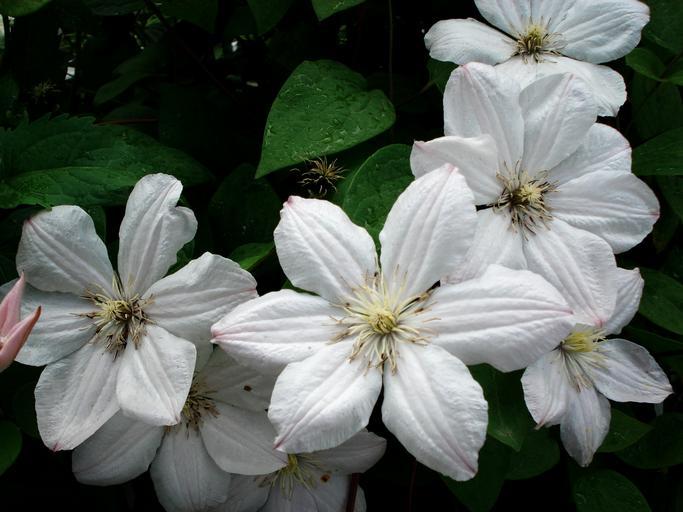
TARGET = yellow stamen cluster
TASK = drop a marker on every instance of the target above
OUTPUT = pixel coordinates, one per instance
(118, 318)
(583, 340)
(579, 351)
(537, 42)
(300, 470)
(197, 405)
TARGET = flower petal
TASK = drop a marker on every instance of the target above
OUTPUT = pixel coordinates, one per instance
(478, 100)
(241, 441)
(603, 149)
(75, 396)
(603, 30)
(606, 85)
(616, 206)
(629, 291)
(545, 387)
(463, 41)
(436, 410)
(322, 401)
(586, 423)
(356, 455)
(281, 327)
(60, 251)
(61, 330)
(558, 111)
(506, 318)
(246, 495)
(10, 307)
(580, 265)
(155, 377)
(495, 241)
(628, 373)
(16, 338)
(185, 476)
(321, 250)
(119, 451)
(428, 231)
(153, 230)
(187, 302)
(475, 157)
(514, 17)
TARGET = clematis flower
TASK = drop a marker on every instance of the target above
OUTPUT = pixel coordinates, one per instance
(375, 322)
(14, 331)
(121, 340)
(223, 429)
(549, 181)
(316, 481)
(571, 385)
(547, 37)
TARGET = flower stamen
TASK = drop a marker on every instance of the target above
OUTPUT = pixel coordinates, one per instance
(537, 42)
(197, 405)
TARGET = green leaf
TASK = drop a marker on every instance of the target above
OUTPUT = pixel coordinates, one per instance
(481, 492)
(623, 432)
(373, 189)
(509, 421)
(662, 447)
(69, 160)
(322, 108)
(113, 7)
(656, 106)
(662, 301)
(607, 491)
(199, 12)
(652, 342)
(267, 13)
(646, 63)
(539, 454)
(440, 72)
(10, 444)
(21, 7)
(326, 8)
(666, 20)
(250, 255)
(661, 156)
(671, 188)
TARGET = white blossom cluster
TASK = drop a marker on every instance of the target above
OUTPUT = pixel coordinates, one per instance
(501, 251)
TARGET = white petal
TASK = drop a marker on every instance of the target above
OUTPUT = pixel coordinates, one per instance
(153, 230)
(321, 250)
(75, 396)
(119, 451)
(478, 101)
(603, 30)
(60, 330)
(155, 377)
(629, 291)
(428, 231)
(281, 327)
(246, 495)
(60, 251)
(323, 400)
(506, 318)
(545, 387)
(189, 301)
(241, 441)
(585, 424)
(628, 373)
(235, 384)
(475, 157)
(558, 110)
(515, 16)
(616, 206)
(603, 149)
(356, 455)
(606, 85)
(185, 477)
(436, 410)
(580, 265)
(463, 41)
(495, 241)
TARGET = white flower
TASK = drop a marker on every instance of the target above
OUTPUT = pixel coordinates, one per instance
(375, 322)
(224, 429)
(119, 341)
(548, 37)
(571, 384)
(310, 482)
(548, 179)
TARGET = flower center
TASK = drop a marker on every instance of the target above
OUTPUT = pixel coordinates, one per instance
(380, 319)
(536, 42)
(197, 405)
(583, 340)
(118, 318)
(300, 470)
(579, 354)
(525, 198)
